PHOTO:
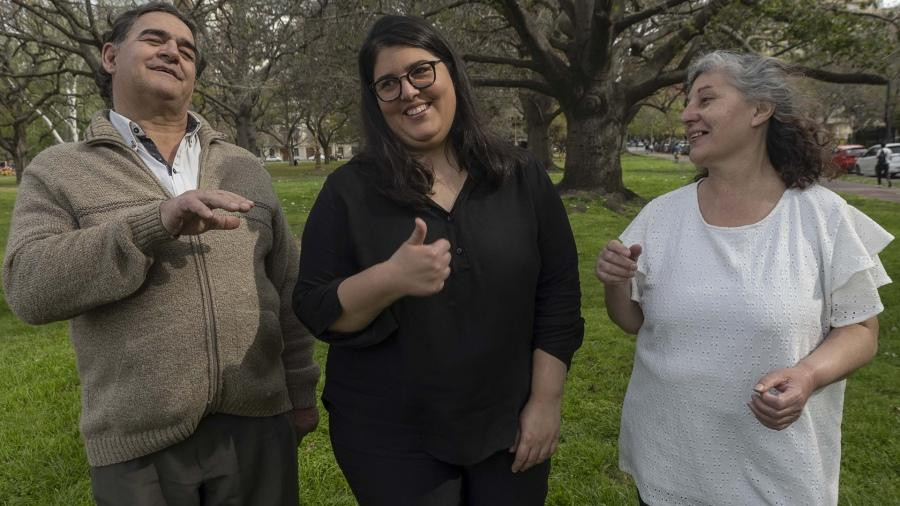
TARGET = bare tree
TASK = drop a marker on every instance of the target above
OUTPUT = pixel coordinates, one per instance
(68, 27)
(250, 44)
(23, 99)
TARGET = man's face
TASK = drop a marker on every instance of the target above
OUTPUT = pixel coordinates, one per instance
(155, 62)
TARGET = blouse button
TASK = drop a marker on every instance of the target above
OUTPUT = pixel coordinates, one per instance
(459, 251)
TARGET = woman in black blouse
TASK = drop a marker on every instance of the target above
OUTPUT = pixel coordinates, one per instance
(440, 266)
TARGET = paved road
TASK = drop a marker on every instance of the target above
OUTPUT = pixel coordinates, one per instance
(866, 190)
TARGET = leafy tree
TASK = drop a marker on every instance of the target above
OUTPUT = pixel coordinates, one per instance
(601, 60)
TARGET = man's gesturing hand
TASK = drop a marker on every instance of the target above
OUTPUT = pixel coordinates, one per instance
(191, 213)
(421, 269)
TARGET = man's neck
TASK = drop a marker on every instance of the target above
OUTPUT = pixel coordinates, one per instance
(160, 121)
(165, 127)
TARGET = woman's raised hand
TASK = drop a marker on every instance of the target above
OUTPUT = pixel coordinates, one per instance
(420, 269)
(617, 263)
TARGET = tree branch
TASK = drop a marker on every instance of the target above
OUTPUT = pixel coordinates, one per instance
(625, 22)
(515, 83)
(451, 5)
(216, 102)
(547, 62)
(691, 29)
(838, 77)
(499, 60)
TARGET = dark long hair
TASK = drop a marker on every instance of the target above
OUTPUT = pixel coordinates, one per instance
(799, 147)
(402, 177)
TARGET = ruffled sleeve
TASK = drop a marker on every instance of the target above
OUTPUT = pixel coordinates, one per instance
(855, 269)
(636, 233)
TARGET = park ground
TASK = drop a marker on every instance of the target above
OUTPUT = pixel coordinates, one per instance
(42, 461)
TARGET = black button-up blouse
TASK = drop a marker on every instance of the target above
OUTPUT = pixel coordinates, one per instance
(453, 369)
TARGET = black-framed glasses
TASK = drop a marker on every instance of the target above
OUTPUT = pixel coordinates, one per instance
(423, 75)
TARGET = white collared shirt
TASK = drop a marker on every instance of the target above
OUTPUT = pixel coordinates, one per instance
(185, 169)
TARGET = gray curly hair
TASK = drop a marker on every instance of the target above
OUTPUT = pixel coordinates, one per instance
(798, 146)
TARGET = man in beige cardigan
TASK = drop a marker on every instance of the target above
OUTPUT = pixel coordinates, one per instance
(167, 250)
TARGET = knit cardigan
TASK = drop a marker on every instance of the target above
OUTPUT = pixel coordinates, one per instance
(166, 330)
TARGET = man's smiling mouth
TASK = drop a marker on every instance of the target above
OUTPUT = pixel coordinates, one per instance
(166, 70)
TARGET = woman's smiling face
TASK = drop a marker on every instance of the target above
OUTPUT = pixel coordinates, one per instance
(420, 118)
(718, 119)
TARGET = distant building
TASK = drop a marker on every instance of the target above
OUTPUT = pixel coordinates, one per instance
(305, 148)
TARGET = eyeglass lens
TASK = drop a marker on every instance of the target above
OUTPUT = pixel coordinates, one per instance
(421, 76)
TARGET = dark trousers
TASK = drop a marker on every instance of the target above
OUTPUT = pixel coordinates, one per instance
(414, 478)
(883, 171)
(228, 460)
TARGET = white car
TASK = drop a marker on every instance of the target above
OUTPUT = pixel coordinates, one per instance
(865, 164)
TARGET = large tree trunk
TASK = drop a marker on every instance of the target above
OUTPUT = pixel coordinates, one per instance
(537, 111)
(326, 148)
(291, 148)
(592, 155)
(245, 131)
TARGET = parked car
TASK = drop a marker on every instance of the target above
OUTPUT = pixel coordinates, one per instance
(865, 164)
(845, 156)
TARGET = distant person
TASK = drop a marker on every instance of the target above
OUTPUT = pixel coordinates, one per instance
(754, 293)
(197, 379)
(882, 167)
(440, 267)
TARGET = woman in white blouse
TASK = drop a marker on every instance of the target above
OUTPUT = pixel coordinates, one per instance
(753, 292)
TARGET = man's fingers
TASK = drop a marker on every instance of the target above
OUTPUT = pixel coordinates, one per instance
(224, 222)
(221, 199)
(197, 208)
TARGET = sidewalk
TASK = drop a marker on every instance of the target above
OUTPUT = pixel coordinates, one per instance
(865, 190)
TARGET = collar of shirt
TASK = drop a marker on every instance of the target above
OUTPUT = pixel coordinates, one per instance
(182, 174)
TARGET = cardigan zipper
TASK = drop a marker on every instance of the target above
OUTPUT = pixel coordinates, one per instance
(212, 338)
(215, 374)
(212, 341)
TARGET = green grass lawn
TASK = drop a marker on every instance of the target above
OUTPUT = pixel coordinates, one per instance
(42, 461)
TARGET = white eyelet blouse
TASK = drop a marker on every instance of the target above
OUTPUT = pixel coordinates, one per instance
(723, 307)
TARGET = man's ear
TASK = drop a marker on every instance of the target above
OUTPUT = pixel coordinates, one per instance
(762, 113)
(108, 57)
